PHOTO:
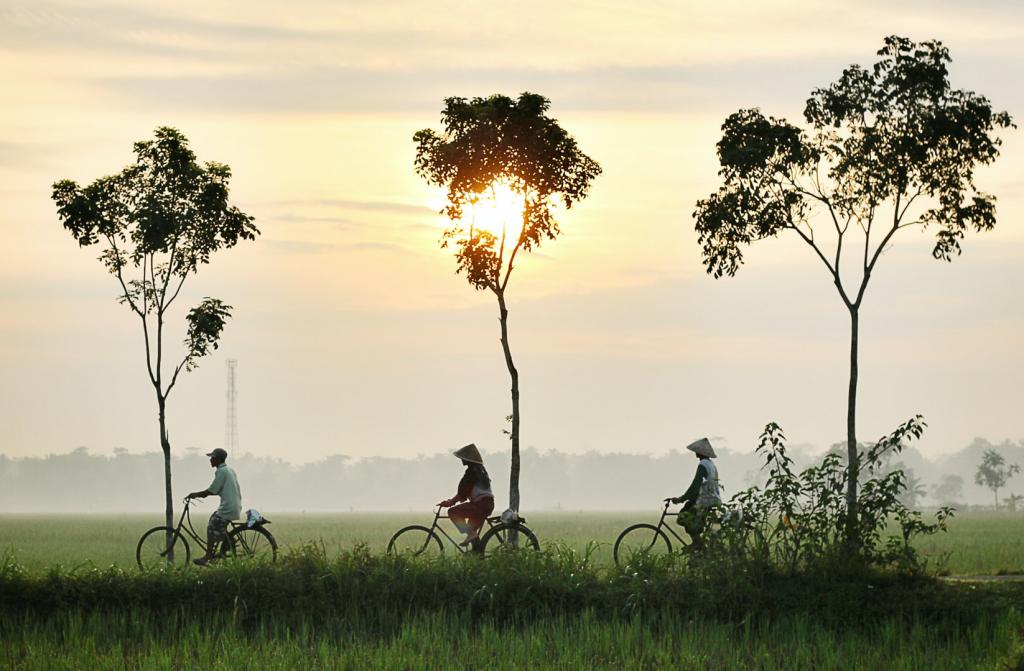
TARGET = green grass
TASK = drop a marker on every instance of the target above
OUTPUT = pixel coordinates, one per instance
(977, 543)
(444, 641)
(336, 608)
(980, 543)
(348, 610)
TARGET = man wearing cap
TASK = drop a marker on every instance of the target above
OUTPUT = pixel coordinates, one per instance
(224, 485)
(702, 494)
(475, 490)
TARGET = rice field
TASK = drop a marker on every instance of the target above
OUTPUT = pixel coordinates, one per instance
(398, 634)
(977, 543)
(425, 643)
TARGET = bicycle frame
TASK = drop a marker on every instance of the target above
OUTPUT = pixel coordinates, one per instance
(435, 527)
(187, 529)
(668, 527)
(185, 525)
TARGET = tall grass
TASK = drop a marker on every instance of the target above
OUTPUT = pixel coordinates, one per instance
(556, 609)
(459, 641)
(364, 586)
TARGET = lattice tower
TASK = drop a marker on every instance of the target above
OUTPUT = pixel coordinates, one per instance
(231, 419)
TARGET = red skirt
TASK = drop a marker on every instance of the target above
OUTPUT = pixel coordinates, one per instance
(474, 512)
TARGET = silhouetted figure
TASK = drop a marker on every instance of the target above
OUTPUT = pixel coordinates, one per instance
(702, 494)
(224, 485)
(475, 490)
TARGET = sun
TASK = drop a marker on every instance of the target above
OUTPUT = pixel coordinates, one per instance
(498, 210)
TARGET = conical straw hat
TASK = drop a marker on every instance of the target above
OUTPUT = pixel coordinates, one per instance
(469, 453)
(703, 448)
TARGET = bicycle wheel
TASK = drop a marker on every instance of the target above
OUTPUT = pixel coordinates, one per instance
(154, 553)
(415, 540)
(254, 544)
(497, 538)
(642, 539)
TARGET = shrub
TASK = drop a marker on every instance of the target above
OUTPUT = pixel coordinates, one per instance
(797, 521)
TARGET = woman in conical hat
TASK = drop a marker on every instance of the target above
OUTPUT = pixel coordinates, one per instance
(475, 490)
(702, 494)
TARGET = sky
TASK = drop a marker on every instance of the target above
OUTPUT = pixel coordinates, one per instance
(352, 331)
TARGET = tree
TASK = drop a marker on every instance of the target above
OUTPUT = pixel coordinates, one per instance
(914, 489)
(949, 490)
(158, 220)
(884, 149)
(993, 472)
(491, 144)
(1012, 501)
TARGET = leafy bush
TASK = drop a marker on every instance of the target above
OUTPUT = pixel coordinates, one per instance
(798, 521)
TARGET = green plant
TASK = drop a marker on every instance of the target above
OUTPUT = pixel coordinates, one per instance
(796, 521)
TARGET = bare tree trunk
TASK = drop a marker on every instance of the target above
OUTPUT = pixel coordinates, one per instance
(165, 446)
(851, 432)
(513, 486)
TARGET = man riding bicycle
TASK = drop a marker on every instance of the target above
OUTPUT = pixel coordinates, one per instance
(224, 485)
(701, 495)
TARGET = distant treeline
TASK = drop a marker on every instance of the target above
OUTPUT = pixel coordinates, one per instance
(83, 482)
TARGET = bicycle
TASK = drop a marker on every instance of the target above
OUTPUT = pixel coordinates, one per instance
(643, 538)
(417, 539)
(166, 547)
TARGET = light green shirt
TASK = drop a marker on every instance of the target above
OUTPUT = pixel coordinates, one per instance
(225, 485)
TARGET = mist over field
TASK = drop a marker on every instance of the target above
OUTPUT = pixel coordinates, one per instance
(82, 482)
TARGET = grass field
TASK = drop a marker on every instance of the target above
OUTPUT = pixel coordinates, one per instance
(361, 614)
(444, 642)
(976, 543)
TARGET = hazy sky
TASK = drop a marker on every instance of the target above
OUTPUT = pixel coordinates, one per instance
(353, 333)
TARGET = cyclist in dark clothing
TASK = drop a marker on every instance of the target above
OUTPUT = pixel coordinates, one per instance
(475, 489)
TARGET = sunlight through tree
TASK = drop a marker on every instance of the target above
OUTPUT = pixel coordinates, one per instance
(505, 163)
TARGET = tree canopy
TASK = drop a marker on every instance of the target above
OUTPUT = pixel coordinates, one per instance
(162, 216)
(896, 133)
(498, 140)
